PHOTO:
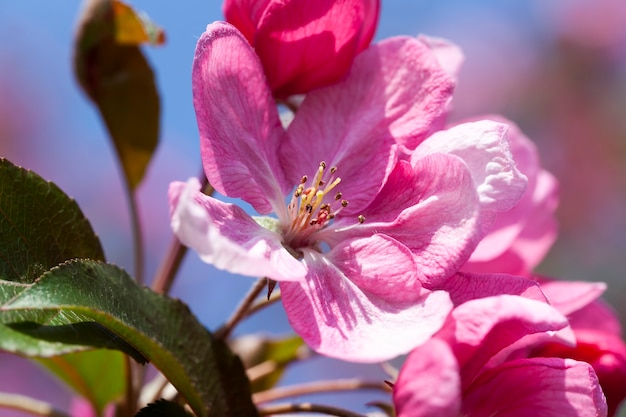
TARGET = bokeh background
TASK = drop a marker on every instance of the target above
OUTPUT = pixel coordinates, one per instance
(556, 67)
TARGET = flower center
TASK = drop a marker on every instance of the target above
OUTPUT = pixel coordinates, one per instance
(313, 206)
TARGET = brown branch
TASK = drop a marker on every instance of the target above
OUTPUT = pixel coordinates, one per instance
(317, 387)
(307, 408)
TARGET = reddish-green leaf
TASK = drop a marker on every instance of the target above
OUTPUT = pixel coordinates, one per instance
(97, 375)
(113, 72)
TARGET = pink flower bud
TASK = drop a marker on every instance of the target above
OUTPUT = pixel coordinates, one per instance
(304, 44)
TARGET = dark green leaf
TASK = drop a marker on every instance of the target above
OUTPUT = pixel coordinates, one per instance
(40, 226)
(204, 370)
(97, 375)
(119, 80)
(15, 341)
(163, 408)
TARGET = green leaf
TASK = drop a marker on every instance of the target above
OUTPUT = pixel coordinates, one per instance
(276, 354)
(40, 226)
(116, 76)
(97, 375)
(162, 408)
(204, 370)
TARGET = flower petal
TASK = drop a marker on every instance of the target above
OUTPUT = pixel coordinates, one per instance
(547, 387)
(228, 238)
(432, 208)
(571, 296)
(429, 383)
(449, 55)
(379, 266)
(480, 329)
(464, 287)
(520, 238)
(394, 90)
(484, 148)
(237, 119)
(336, 318)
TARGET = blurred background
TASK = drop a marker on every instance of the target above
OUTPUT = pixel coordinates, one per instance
(557, 68)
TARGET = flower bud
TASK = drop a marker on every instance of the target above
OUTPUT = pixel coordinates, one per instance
(304, 44)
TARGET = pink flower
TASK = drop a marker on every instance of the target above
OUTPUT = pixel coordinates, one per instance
(304, 44)
(80, 407)
(520, 237)
(469, 368)
(598, 335)
(357, 239)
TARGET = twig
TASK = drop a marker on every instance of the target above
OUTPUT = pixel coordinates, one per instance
(317, 387)
(261, 304)
(164, 277)
(29, 405)
(241, 310)
(307, 408)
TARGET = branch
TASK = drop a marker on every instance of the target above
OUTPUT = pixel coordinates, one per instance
(242, 310)
(29, 405)
(317, 387)
(307, 408)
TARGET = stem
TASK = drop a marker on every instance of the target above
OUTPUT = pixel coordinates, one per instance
(130, 401)
(135, 224)
(317, 387)
(261, 304)
(307, 408)
(29, 405)
(164, 278)
(241, 310)
(167, 271)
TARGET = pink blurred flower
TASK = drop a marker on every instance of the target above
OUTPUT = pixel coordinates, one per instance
(520, 237)
(467, 369)
(352, 275)
(304, 44)
(80, 407)
(598, 335)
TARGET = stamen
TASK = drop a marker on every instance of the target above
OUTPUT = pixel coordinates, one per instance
(361, 218)
(308, 209)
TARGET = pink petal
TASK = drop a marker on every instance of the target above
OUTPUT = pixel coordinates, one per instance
(245, 15)
(394, 89)
(307, 44)
(449, 55)
(431, 208)
(464, 287)
(605, 352)
(480, 329)
(546, 387)
(336, 318)
(380, 266)
(483, 147)
(225, 236)
(237, 119)
(571, 296)
(520, 237)
(429, 383)
(370, 22)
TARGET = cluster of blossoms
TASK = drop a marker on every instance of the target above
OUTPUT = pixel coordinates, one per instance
(389, 230)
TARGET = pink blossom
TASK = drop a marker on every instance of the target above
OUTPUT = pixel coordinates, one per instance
(304, 44)
(520, 238)
(365, 232)
(469, 368)
(80, 407)
(598, 335)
